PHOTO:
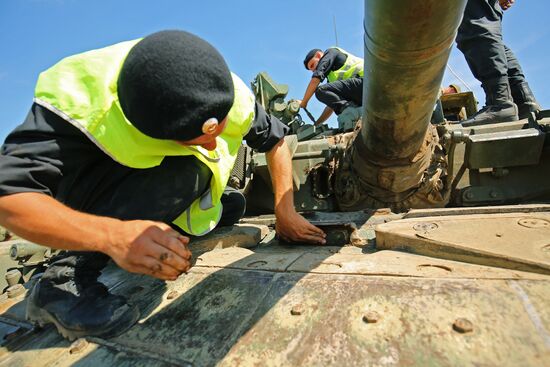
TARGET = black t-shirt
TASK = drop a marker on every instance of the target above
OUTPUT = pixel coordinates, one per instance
(46, 154)
(332, 60)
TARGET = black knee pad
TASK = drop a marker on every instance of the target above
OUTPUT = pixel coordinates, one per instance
(234, 206)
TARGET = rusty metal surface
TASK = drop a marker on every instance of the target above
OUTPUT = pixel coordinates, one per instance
(396, 159)
(511, 240)
(239, 235)
(47, 348)
(240, 258)
(394, 263)
(276, 304)
(415, 325)
(309, 305)
(352, 261)
(528, 208)
(230, 316)
(398, 110)
(468, 286)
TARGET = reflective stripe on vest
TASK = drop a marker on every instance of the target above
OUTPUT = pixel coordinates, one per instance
(82, 89)
(353, 67)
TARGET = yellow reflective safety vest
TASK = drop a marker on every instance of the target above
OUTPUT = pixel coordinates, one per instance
(353, 67)
(82, 89)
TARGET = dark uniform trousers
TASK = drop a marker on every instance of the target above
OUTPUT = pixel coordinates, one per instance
(480, 40)
(341, 93)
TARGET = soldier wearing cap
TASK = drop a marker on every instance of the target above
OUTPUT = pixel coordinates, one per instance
(344, 89)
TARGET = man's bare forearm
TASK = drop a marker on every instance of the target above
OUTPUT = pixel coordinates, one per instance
(139, 246)
(280, 167)
(311, 88)
(42, 219)
(327, 112)
(290, 225)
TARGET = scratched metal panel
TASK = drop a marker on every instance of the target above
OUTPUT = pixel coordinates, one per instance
(509, 240)
(47, 348)
(231, 317)
(414, 327)
(199, 316)
(196, 318)
(100, 356)
(37, 349)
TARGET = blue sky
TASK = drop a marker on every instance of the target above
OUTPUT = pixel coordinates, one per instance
(253, 36)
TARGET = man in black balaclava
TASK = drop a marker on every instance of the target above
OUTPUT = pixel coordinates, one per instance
(126, 152)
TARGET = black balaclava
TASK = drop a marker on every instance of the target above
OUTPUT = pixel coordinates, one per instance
(171, 83)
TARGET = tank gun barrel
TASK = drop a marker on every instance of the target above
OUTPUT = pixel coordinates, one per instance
(407, 45)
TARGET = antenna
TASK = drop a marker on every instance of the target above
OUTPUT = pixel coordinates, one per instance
(458, 77)
(335, 33)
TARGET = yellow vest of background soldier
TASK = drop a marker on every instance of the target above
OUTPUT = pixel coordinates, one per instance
(343, 92)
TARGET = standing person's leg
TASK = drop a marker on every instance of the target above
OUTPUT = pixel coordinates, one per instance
(521, 92)
(341, 94)
(480, 40)
(515, 72)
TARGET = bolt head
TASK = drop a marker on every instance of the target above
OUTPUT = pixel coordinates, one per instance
(234, 182)
(425, 227)
(530, 222)
(78, 346)
(172, 295)
(371, 317)
(462, 325)
(297, 310)
(13, 277)
(15, 290)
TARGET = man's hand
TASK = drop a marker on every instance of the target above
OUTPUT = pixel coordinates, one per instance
(151, 248)
(138, 246)
(303, 103)
(292, 227)
(506, 4)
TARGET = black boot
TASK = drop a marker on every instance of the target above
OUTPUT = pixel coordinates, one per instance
(69, 296)
(499, 106)
(525, 100)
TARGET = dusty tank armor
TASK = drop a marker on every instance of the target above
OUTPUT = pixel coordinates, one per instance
(438, 237)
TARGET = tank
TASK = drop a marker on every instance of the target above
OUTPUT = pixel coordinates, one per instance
(438, 237)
